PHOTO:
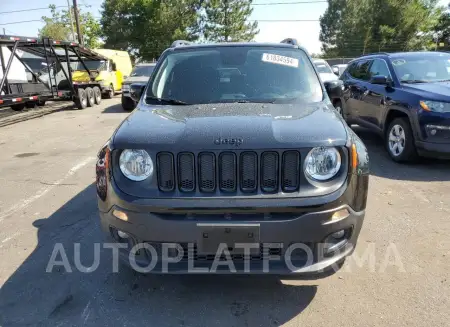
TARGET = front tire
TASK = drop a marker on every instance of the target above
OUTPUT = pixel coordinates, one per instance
(399, 141)
(110, 93)
(128, 104)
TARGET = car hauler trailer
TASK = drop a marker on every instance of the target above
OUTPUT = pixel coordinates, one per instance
(55, 81)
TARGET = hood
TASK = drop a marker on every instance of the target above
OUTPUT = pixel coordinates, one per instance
(136, 79)
(231, 126)
(432, 91)
(326, 77)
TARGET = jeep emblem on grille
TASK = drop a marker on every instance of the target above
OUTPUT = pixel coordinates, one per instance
(231, 141)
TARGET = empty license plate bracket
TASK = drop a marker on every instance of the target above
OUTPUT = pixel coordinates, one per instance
(212, 235)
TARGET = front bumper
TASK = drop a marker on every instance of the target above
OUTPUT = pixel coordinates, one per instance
(276, 240)
(434, 150)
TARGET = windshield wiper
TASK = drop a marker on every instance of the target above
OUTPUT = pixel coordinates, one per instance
(443, 80)
(166, 101)
(414, 81)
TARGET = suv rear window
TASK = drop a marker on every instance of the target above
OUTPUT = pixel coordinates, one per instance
(235, 73)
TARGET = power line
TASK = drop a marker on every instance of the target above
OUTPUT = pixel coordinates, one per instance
(34, 9)
(23, 21)
(253, 4)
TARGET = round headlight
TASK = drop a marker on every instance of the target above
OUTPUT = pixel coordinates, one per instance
(322, 163)
(136, 164)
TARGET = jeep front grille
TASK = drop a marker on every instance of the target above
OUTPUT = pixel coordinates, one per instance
(229, 172)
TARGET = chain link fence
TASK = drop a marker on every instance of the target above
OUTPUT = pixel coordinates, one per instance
(337, 61)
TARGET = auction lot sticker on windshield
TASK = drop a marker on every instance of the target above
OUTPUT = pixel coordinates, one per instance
(281, 60)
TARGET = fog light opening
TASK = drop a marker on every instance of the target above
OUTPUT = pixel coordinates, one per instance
(336, 241)
(122, 234)
(338, 235)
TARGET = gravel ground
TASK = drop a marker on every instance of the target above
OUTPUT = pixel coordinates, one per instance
(47, 197)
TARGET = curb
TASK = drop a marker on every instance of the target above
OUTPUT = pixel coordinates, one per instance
(36, 113)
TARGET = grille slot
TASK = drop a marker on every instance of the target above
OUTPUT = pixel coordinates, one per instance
(227, 172)
(207, 172)
(249, 171)
(290, 171)
(186, 172)
(166, 172)
(269, 171)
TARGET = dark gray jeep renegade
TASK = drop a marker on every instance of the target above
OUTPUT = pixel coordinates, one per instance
(234, 160)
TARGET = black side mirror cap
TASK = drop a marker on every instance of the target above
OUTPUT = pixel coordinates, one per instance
(381, 80)
(334, 88)
(136, 91)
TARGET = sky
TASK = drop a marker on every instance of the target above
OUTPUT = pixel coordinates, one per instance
(306, 32)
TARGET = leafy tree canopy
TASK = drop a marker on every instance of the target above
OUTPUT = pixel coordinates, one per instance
(354, 27)
(58, 27)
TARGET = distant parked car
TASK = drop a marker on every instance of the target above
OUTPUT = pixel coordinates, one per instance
(140, 74)
(403, 96)
(324, 70)
(339, 69)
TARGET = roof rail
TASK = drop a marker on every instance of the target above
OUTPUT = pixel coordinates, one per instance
(375, 53)
(290, 41)
(179, 43)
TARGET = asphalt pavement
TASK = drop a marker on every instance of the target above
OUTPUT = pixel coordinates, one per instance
(398, 276)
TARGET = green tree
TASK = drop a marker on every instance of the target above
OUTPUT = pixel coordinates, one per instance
(355, 27)
(58, 27)
(441, 31)
(145, 28)
(226, 20)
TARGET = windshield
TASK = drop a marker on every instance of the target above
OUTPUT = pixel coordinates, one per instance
(142, 71)
(323, 68)
(425, 68)
(92, 65)
(235, 74)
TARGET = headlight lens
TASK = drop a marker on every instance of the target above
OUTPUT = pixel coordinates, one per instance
(125, 87)
(322, 163)
(435, 106)
(136, 164)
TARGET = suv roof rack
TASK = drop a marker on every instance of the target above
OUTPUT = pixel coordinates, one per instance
(375, 53)
(290, 41)
(179, 43)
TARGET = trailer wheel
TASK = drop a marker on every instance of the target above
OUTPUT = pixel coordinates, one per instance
(90, 97)
(97, 94)
(41, 103)
(110, 93)
(18, 107)
(81, 101)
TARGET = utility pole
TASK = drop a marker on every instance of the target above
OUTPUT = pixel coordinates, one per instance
(77, 22)
(4, 31)
(71, 20)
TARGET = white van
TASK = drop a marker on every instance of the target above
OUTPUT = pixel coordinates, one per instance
(17, 73)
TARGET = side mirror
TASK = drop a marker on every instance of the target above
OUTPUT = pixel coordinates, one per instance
(380, 80)
(334, 88)
(136, 91)
(336, 71)
(113, 66)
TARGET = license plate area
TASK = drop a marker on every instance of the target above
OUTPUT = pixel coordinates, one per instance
(212, 235)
